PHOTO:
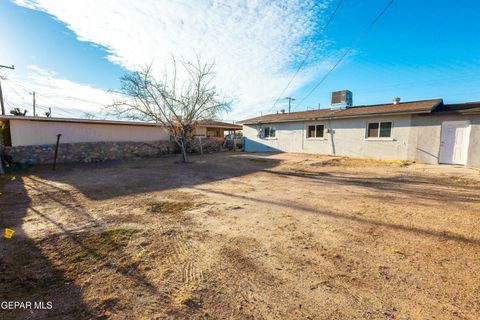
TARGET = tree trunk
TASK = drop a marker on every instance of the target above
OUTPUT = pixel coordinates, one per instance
(183, 150)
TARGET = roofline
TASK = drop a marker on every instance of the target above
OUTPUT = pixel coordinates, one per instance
(341, 117)
(109, 122)
(439, 102)
(77, 120)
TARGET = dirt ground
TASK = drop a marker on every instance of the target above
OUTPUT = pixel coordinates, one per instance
(242, 236)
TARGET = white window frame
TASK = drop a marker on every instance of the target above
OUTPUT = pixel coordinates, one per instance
(269, 129)
(315, 137)
(390, 138)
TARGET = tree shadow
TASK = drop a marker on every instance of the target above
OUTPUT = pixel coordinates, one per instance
(116, 179)
(431, 188)
(440, 235)
(90, 182)
(26, 273)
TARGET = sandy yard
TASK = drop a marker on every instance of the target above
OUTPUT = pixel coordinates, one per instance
(242, 236)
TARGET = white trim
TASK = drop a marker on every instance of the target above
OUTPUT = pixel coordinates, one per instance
(314, 124)
(379, 139)
(366, 137)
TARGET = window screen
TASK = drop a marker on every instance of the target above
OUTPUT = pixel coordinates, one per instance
(315, 131)
(385, 129)
(319, 132)
(372, 130)
(269, 132)
(272, 132)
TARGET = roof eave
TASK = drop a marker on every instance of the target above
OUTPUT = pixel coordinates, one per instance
(376, 114)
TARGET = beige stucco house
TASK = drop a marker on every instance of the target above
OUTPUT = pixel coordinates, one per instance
(30, 131)
(426, 131)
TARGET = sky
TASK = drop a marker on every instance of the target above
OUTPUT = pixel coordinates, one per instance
(73, 53)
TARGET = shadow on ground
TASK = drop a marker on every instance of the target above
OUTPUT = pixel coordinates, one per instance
(26, 274)
(38, 269)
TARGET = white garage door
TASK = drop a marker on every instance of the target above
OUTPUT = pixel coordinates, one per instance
(454, 142)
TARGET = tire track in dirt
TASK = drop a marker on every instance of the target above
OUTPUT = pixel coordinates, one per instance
(188, 259)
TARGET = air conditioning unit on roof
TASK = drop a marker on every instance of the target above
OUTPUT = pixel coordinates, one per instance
(342, 98)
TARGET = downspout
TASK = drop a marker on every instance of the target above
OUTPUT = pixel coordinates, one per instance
(330, 129)
(303, 136)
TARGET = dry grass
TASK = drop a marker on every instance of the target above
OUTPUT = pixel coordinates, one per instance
(463, 180)
(88, 246)
(171, 207)
(360, 162)
(242, 239)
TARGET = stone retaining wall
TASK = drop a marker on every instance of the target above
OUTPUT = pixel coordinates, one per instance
(102, 151)
(89, 151)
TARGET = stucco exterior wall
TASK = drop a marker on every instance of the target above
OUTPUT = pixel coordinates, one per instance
(426, 134)
(347, 137)
(27, 132)
(200, 131)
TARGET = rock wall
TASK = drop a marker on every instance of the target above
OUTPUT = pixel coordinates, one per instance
(208, 145)
(89, 151)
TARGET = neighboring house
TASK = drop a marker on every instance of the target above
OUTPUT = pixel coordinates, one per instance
(28, 131)
(427, 131)
(215, 129)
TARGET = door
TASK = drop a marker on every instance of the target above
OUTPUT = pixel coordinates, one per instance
(454, 142)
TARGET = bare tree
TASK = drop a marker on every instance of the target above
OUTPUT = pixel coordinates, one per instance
(174, 103)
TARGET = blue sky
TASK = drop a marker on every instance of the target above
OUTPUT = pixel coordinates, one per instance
(72, 53)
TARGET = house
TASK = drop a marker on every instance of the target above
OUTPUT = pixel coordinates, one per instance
(29, 131)
(215, 129)
(33, 139)
(427, 131)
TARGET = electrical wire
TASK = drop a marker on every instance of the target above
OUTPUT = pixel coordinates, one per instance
(47, 93)
(355, 42)
(308, 54)
(60, 106)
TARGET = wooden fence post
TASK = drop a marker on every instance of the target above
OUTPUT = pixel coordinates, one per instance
(56, 151)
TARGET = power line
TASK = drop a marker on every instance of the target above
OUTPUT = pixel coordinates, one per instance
(308, 53)
(51, 100)
(357, 40)
(53, 94)
(14, 91)
(56, 105)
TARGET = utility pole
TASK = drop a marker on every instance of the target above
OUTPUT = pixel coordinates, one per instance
(290, 99)
(33, 103)
(1, 93)
(1, 98)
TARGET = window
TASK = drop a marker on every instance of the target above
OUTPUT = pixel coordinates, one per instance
(315, 131)
(385, 129)
(269, 132)
(379, 130)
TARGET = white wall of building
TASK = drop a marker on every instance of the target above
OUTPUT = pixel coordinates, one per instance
(28, 132)
(347, 137)
(426, 133)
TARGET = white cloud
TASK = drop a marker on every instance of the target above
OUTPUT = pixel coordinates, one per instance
(254, 43)
(65, 97)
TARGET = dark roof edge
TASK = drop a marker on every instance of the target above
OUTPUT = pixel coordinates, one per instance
(439, 102)
(106, 122)
(340, 117)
